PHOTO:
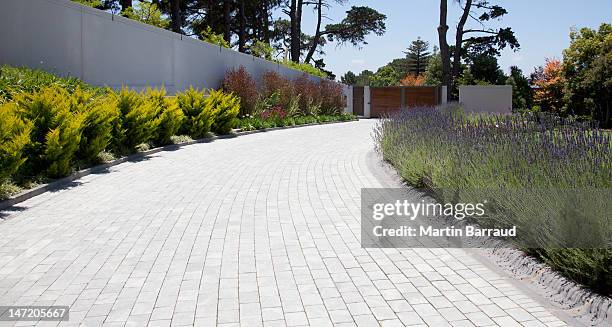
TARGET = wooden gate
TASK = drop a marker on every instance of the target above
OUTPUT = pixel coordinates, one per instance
(358, 100)
(384, 100)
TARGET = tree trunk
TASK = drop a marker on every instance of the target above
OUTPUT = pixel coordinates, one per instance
(444, 49)
(315, 39)
(175, 16)
(456, 70)
(227, 27)
(125, 4)
(242, 28)
(296, 29)
(266, 22)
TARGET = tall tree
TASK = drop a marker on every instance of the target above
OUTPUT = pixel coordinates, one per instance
(295, 14)
(176, 16)
(349, 78)
(433, 72)
(481, 40)
(588, 69)
(444, 48)
(549, 82)
(417, 55)
(359, 22)
(125, 4)
(522, 94)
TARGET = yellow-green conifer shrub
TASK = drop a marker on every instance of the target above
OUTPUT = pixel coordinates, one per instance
(198, 116)
(225, 108)
(57, 130)
(14, 137)
(169, 115)
(101, 117)
(138, 119)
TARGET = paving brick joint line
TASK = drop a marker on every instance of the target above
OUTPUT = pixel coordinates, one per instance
(261, 230)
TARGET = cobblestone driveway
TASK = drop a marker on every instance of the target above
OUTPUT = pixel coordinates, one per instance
(256, 230)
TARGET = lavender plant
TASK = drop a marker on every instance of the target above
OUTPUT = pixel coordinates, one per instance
(550, 177)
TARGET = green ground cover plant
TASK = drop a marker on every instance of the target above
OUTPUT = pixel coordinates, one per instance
(525, 165)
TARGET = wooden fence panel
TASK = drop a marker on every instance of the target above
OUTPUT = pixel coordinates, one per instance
(393, 98)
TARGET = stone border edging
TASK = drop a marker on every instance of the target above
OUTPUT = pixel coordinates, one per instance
(56, 184)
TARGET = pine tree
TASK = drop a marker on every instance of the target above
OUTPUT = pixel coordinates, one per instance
(418, 54)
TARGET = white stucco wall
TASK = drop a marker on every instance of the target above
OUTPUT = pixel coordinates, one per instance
(68, 39)
(489, 98)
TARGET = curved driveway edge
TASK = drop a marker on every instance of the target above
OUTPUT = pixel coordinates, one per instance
(258, 231)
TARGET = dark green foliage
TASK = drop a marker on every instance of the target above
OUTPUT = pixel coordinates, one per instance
(417, 56)
(588, 70)
(349, 78)
(358, 23)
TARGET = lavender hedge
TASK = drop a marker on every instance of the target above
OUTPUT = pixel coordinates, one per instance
(525, 166)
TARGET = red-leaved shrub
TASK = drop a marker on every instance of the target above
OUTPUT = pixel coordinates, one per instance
(332, 98)
(283, 87)
(240, 83)
(310, 95)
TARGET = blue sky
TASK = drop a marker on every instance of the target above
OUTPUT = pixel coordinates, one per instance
(541, 26)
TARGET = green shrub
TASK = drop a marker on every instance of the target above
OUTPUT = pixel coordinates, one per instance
(305, 67)
(101, 116)
(57, 130)
(139, 119)
(14, 80)
(225, 108)
(14, 137)
(198, 117)
(169, 116)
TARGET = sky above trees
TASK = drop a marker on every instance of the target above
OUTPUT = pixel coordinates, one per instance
(542, 28)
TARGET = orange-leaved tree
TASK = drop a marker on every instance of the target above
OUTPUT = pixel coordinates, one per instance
(413, 80)
(549, 82)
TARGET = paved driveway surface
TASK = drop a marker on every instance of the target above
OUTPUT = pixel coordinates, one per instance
(256, 230)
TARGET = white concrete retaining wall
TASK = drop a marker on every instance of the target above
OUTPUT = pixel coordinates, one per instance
(488, 98)
(69, 39)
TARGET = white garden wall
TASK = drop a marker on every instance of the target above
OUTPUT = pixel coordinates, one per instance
(69, 39)
(487, 98)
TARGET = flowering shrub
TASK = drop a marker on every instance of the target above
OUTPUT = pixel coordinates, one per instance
(463, 158)
(240, 83)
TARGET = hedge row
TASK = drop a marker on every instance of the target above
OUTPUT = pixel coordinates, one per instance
(51, 131)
